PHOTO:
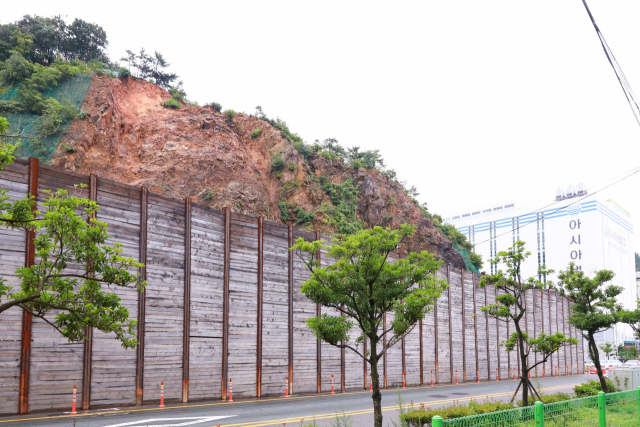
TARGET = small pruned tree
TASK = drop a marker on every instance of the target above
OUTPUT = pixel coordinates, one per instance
(510, 306)
(594, 307)
(363, 285)
(607, 348)
(73, 266)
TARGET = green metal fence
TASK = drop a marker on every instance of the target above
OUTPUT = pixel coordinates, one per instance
(610, 410)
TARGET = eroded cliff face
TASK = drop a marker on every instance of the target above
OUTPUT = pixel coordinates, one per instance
(197, 153)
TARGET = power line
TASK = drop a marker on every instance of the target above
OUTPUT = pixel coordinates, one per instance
(632, 172)
(622, 78)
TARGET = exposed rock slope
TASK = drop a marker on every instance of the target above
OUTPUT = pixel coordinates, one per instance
(196, 152)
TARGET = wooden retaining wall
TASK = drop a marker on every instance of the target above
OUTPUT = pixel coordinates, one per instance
(223, 302)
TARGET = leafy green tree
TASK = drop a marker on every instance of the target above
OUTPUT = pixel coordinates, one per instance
(637, 261)
(510, 306)
(607, 349)
(86, 41)
(73, 265)
(362, 285)
(594, 307)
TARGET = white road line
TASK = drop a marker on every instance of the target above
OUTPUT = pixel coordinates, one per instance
(194, 420)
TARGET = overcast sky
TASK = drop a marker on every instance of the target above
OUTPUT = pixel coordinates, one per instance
(471, 101)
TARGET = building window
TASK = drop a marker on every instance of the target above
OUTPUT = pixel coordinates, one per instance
(456, 217)
(498, 208)
(475, 213)
(509, 206)
(486, 210)
(465, 215)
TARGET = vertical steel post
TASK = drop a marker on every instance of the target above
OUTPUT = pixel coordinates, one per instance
(486, 319)
(144, 215)
(260, 304)
(318, 342)
(87, 355)
(290, 267)
(464, 330)
(27, 319)
(475, 321)
(450, 326)
(186, 323)
(225, 301)
(404, 359)
(384, 356)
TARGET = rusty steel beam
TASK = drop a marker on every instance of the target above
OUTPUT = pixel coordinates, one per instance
(364, 364)
(144, 205)
(318, 342)
(486, 319)
(225, 302)
(27, 319)
(342, 363)
(549, 299)
(570, 333)
(435, 324)
(260, 302)
(464, 331)
(404, 362)
(450, 325)
(475, 320)
(186, 324)
(290, 235)
(87, 355)
(384, 355)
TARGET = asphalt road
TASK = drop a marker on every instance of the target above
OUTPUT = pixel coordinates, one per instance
(269, 412)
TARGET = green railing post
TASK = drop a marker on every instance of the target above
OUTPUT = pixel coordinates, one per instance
(538, 413)
(437, 421)
(602, 414)
(638, 405)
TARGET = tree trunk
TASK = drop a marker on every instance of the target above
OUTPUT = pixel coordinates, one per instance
(525, 368)
(596, 362)
(376, 396)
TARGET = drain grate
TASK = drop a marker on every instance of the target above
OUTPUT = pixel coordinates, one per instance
(460, 394)
(440, 396)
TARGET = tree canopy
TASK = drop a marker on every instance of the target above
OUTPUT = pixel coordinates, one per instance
(363, 286)
(75, 269)
(511, 306)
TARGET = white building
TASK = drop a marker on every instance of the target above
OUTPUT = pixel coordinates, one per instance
(594, 233)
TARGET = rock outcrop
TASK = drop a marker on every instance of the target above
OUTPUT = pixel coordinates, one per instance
(195, 152)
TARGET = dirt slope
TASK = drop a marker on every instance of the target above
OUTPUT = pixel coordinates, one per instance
(196, 152)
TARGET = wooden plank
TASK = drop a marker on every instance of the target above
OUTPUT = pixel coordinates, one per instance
(12, 257)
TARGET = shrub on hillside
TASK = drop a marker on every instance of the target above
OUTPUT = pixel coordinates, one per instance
(229, 114)
(123, 73)
(304, 217)
(171, 103)
(256, 133)
(277, 163)
(284, 211)
(216, 106)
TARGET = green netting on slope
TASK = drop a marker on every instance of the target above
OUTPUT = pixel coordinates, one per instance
(465, 257)
(74, 89)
